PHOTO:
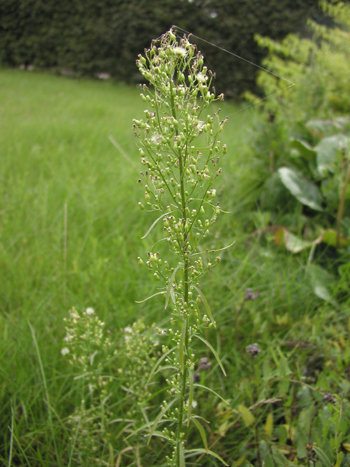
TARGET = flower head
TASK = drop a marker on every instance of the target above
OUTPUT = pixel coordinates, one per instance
(180, 51)
(201, 77)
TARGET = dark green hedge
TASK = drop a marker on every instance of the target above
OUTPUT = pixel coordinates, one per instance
(93, 36)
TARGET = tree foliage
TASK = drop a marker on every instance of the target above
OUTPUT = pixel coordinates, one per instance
(94, 36)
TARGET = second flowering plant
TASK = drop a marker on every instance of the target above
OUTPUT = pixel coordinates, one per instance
(181, 154)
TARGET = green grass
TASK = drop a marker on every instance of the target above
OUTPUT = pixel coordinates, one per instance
(70, 233)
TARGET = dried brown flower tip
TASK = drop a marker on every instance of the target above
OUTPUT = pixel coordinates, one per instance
(249, 295)
(253, 350)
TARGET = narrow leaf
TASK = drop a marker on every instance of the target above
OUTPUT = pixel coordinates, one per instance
(248, 417)
(182, 345)
(148, 298)
(190, 397)
(324, 459)
(163, 368)
(204, 300)
(159, 418)
(339, 459)
(211, 390)
(213, 351)
(279, 458)
(159, 434)
(181, 455)
(269, 425)
(220, 249)
(170, 287)
(133, 432)
(194, 452)
(202, 433)
(154, 223)
(158, 362)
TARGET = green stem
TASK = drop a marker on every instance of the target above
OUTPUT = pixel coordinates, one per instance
(186, 289)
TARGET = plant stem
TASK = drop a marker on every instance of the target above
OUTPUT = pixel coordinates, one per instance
(186, 287)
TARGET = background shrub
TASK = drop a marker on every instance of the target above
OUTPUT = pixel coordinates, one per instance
(94, 36)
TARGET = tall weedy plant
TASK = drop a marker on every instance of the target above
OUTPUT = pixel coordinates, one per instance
(181, 153)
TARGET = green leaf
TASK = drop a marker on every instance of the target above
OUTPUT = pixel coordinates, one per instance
(202, 433)
(330, 237)
(303, 190)
(194, 452)
(324, 459)
(213, 351)
(204, 300)
(148, 298)
(181, 455)
(158, 362)
(324, 127)
(269, 425)
(279, 458)
(290, 241)
(248, 417)
(154, 223)
(190, 397)
(182, 345)
(170, 286)
(304, 149)
(158, 419)
(320, 281)
(328, 150)
(211, 390)
(339, 459)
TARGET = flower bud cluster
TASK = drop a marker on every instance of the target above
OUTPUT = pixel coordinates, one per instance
(88, 349)
(140, 350)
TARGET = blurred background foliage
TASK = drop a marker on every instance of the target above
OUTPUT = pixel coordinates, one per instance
(87, 37)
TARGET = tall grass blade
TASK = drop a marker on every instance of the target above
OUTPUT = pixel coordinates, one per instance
(194, 452)
(207, 308)
(202, 433)
(158, 362)
(159, 418)
(170, 286)
(46, 391)
(154, 223)
(214, 392)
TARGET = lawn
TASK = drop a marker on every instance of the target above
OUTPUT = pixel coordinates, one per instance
(70, 233)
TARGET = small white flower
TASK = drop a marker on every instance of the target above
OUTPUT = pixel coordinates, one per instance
(180, 51)
(201, 78)
(200, 124)
(90, 311)
(156, 139)
(65, 351)
(128, 329)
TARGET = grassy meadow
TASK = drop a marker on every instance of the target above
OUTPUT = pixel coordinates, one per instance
(70, 233)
